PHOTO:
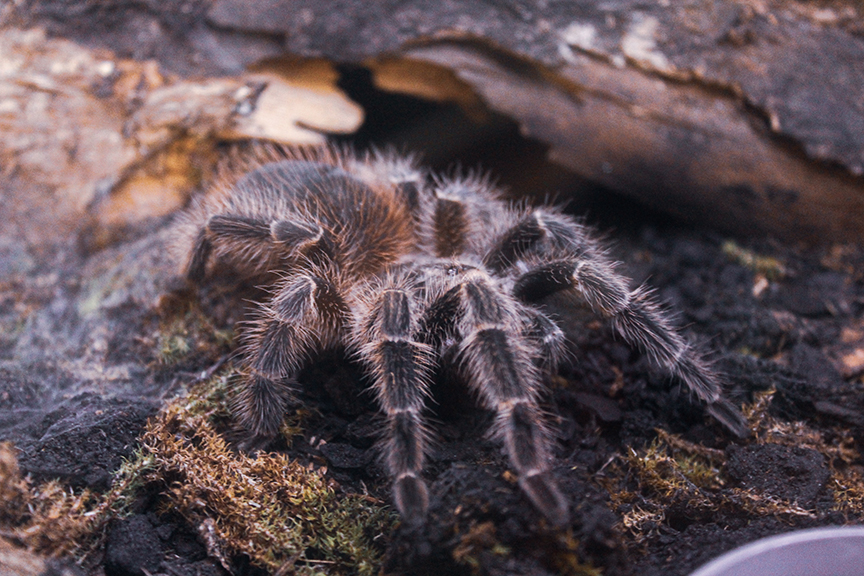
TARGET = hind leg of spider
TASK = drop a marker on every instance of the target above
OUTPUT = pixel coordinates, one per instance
(637, 317)
(400, 369)
(247, 235)
(580, 265)
(305, 313)
(498, 363)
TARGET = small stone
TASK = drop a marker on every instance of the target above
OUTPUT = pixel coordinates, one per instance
(345, 456)
(792, 473)
(133, 548)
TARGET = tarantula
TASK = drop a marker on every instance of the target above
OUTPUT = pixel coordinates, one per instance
(402, 268)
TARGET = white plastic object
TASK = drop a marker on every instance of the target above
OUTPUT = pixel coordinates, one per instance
(816, 552)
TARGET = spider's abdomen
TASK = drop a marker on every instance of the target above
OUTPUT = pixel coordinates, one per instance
(286, 212)
(364, 227)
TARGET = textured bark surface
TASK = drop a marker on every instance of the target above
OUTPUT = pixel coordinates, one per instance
(744, 115)
(796, 64)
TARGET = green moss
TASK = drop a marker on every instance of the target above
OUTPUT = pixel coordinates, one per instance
(770, 268)
(269, 507)
(174, 348)
(560, 550)
(701, 473)
(478, 539)
(673, 472)
(838, 447)
(663, 479)
(47, 518)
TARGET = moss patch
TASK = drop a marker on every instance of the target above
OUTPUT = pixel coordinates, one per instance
(767, 266)
(269, 507)
(189, 332)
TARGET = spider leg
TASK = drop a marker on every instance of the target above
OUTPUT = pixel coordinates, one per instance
(398, 171)
(540, 230)
(400, 368)
(515, 243)
(585, 269)
(547, 336)
(305, 313)
(497, 360)
(637, 317)
(248, 236)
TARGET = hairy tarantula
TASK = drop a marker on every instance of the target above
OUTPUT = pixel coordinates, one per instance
(401, 268)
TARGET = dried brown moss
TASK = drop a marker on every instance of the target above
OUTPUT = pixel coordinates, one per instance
(846, 482)
(269, 507)
(50, 518)
(673, 473)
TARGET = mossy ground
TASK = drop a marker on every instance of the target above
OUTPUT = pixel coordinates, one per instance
(278, 512)
(674, 474)
(655, 487)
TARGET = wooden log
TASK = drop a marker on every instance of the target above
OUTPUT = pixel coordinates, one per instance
(747, 116)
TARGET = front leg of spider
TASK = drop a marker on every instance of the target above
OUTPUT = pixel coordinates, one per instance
(400, 367)
(497, 360)
(636, 316)
(305, 313)
(247, 228)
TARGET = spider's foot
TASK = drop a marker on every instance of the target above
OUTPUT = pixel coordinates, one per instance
(261, 405)
(543, 492)
(412, 499)
(730, 417)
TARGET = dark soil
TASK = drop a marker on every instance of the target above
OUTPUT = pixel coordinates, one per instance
(609, 401)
